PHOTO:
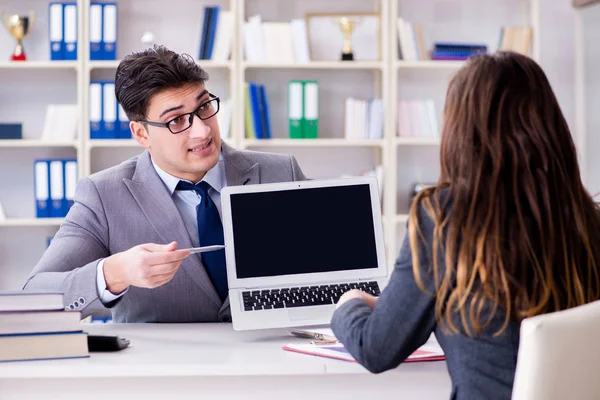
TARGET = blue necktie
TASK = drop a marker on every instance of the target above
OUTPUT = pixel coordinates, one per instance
(210, 231)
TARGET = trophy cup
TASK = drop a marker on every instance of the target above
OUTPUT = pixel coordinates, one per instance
(18, 26)
(347, 26)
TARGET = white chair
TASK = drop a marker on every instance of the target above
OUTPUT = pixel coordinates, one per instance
(559, 356)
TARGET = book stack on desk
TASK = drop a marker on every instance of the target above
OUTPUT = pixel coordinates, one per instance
(35, 326)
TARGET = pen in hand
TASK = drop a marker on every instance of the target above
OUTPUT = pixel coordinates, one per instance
(203, 249)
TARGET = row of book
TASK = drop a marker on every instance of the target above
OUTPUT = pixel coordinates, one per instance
(303, 109)
(62, 31)
(276, 42)
(411, 45)
(36, 326)
(363, 119)
(107, 118)
(217, 34)
(256, 111)
(55, 181)
(417, 119)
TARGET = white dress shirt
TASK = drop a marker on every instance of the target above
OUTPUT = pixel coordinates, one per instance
(186, 202)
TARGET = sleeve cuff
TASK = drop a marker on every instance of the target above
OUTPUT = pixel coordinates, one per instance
(104, 294)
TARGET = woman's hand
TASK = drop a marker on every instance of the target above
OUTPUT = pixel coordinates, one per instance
(357, 294)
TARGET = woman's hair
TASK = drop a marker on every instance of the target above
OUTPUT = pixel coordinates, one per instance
(513, 222)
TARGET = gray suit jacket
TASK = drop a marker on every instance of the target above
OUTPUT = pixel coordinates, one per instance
(128, 205)
(481, 367)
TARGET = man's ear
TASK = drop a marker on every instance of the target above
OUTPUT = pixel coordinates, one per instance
(140, 133)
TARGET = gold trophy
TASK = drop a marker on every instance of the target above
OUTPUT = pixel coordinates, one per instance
(18, 26)
(347, 26)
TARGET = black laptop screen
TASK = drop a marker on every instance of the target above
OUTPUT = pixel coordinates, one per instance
(303, 231)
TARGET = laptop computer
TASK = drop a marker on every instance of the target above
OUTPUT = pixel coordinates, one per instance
(294, 248)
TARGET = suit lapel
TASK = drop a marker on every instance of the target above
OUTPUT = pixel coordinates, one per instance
(238, 170)
(157, 205)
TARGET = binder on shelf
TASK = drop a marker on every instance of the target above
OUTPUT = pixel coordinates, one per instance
(296, 109)
(109, 31)
(124, 131)
(55, 31)
(70, 183)
(70, 31)
(109, 111)
(311, 109)
(41, 179)
(96, 124)
(57, 188)
(95, 32)
(204, 34)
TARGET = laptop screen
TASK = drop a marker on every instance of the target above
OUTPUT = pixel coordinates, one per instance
(303, 231)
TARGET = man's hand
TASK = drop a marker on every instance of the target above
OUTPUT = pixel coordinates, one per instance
(147, 265)
(357, 294)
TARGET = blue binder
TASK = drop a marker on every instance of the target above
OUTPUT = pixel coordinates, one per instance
(124, 131)
(109, 31)
(95, 32)
(109, 111)
(41, 184)
(70, 180)
(96, 103)
(70, 30)
(57, 188)
(56, 31)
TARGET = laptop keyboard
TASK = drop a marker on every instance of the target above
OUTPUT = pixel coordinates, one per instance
(302, 296)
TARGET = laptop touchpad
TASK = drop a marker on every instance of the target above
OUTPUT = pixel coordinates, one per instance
(310, 313)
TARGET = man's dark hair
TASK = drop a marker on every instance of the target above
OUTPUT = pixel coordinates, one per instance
(141, 75)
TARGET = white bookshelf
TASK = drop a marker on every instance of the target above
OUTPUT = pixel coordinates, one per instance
(329, 156)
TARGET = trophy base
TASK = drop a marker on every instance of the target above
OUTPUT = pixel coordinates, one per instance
(347, 57)
(20, 57)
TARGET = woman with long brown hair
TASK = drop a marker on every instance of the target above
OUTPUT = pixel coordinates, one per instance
(509, 232)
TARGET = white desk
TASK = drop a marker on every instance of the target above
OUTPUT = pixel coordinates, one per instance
(179, 361)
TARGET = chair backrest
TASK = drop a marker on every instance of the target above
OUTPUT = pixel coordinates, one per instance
(559, 356)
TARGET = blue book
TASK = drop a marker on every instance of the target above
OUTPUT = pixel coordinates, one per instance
(57, 188)
(265, 112)
(70, 184)
(255, 109)
(212, 32)
(204, 33)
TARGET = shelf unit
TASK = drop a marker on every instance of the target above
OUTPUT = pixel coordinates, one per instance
(385, 79)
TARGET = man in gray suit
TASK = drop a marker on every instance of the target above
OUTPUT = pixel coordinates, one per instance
(123, 243)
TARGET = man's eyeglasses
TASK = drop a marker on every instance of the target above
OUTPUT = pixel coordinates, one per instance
(184, 122)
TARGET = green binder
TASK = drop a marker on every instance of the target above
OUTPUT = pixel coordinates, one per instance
(311, 109)
(296, 109)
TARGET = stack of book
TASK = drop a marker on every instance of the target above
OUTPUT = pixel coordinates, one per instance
(456, 51)
(363, 119)
(256, 111)
(36, 326)
(276, 42)
(411, 45)
(417, 119)
(217, 34)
